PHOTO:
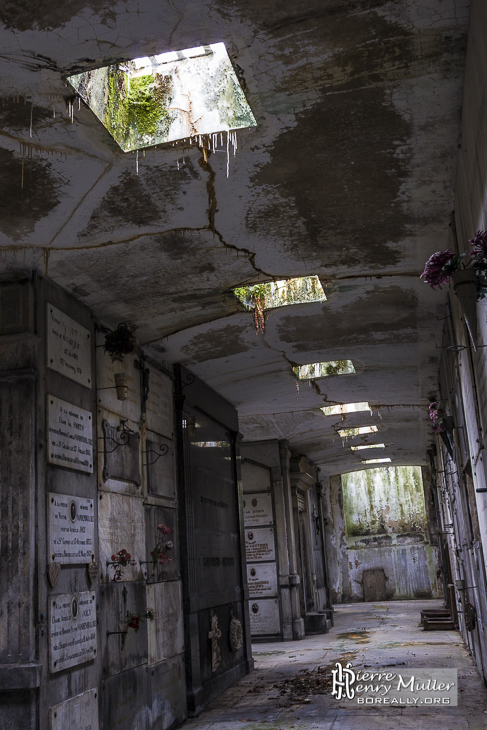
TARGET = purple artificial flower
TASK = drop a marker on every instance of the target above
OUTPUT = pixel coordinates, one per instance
(434, 273)
(437, 414)
(479, 243)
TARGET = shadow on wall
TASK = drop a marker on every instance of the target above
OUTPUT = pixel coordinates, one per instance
(380, 536)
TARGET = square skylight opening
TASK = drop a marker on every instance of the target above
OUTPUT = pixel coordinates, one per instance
(323, 369)
(368, 446)
(273, 294)
(172, 96)
(357, 431)
(345, 408)
(376, 461)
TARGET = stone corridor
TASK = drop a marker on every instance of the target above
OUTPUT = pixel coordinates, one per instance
(289, 687)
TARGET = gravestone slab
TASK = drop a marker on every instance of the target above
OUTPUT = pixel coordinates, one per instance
(70, 433)
(68, 346)
(161, 473)
(264, 617)
(72, 630)
(77, 713)
(124, 647)
(165, 634)
(258, 509)
(262, 579)
(120, 454)
(121, 524)
(169, 569)
(255, 478)
(71, 528)
(159, 407)
(259, 544)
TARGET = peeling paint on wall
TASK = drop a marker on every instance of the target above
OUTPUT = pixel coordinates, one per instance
(384, 501)
(377, 520)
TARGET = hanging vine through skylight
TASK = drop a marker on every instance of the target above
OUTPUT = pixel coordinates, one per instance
(273, 294)
(323, 369)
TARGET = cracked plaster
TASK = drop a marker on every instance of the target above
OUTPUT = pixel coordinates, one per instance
(377, 84)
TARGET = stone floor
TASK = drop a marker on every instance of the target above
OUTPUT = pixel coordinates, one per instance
(290, 685)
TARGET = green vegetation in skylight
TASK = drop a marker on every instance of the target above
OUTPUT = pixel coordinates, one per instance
(345, 408)
(179, 95)
(358, 431)
(323, 369)
(272, 294)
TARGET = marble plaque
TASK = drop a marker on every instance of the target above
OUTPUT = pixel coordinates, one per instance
(159, 407)
(78, 713)
(68, 346)
(264, 617)
(161, 471)
(121, 524)
(166, 633)
(71, 529)
(120, 453)
(262, 579)
(259, 544)
(70, 435)
(258, 509)
(72, 630)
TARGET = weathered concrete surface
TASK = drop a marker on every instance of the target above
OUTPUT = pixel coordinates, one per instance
(373, 635)
(348, 175)
(376, 519)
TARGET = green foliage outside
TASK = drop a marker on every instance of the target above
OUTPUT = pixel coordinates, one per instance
(281, 293)
(384, 501)
(136, 110)
(323, 369)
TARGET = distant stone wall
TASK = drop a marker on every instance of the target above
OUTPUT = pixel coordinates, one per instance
(377, 519)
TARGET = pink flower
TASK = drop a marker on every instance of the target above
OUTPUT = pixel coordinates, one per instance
(479, 243)
(434, 272)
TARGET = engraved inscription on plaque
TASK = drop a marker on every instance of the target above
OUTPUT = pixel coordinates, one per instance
(264, 617)
(70, 435)
(259, 544)
(258, 509)
(71, 528)
(262, 579)
(78, 713)
(72, 630)
(68, 346)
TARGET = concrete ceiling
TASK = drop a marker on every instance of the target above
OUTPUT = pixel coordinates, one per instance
(349, 175)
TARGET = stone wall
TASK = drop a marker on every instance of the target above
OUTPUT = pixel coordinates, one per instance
(286, 562)
(89, 638)
(459, 475)
(377, 521)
